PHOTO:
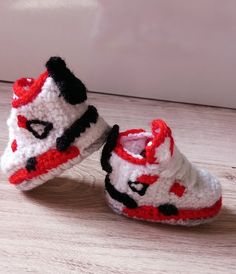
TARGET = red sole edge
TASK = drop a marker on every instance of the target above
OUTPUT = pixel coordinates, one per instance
(151, 213)
(45, 162)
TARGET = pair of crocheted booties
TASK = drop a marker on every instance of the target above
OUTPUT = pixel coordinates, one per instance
(51, 128)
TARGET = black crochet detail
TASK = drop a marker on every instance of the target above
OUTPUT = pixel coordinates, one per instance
(134, 187)
(168, 209)
(119, 196)
(47, 128)
(108, 148)
(78, 127)
(31, 164)
(71, 88)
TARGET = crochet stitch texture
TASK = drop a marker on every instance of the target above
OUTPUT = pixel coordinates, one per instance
(51, 127)
(148, 178)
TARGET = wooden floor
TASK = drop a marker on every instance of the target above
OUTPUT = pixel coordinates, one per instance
(65, 226)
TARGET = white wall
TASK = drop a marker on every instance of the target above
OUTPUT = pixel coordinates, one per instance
(179, 50)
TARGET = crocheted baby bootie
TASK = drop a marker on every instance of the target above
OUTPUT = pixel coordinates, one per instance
(148, 178)
(51, 128)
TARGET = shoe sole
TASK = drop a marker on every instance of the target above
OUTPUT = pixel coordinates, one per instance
(185, 217)
(49, 164)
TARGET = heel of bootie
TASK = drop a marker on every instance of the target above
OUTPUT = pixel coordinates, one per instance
(113, 204)
(108, 148)
(96, 138)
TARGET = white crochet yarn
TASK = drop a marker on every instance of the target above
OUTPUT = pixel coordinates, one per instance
(48, 106)
(202, 190)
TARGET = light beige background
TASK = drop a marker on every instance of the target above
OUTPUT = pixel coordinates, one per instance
(174, 50)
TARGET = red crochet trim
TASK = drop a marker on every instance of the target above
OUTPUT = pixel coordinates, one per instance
(147, 179)
(27, 89)
(21, 121)
(45, 162)
(151, 213)
(20, 85)
(177, 189)
(159, 138)
(14, 145)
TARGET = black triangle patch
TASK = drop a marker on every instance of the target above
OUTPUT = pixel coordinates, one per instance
(40, 129)
(138, 187)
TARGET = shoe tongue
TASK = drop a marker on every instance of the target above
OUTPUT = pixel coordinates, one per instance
(71, 88)
(160, 148)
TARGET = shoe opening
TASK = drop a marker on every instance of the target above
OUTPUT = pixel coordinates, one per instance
(135, 144)
(27, 89)
(141, 147)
